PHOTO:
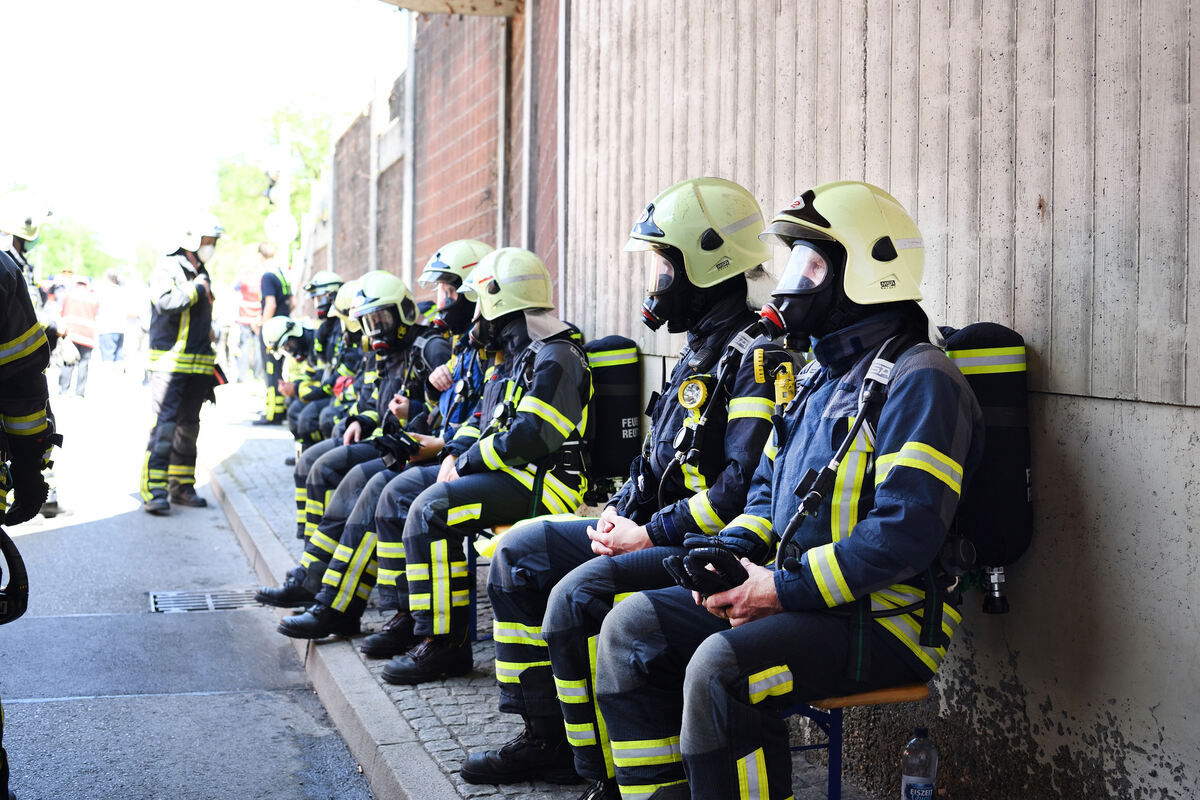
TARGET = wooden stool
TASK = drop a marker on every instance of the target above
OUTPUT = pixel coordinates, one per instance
(472, 565)
(827, 714)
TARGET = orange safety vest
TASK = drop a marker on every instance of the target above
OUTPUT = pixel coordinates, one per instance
(79, 315)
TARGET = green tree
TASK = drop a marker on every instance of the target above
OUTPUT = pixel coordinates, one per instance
(67, 245)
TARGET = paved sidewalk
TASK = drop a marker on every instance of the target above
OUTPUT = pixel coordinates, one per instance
(410, 741)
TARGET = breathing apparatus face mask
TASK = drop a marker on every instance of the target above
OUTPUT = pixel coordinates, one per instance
(485, 334)
(295, 346)
(805, 293)
(323, 301)
(205, 252)
(454, 309)
(382, 327)
(666, 289)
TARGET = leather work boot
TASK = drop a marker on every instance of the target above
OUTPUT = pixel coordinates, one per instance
(395, 638)
(603, 789)
(318, 622)
(158, 505)
(186, 496)
(291, 595)
(436, 657)
(538, 753)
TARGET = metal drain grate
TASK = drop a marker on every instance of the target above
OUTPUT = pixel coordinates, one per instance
(217, 600)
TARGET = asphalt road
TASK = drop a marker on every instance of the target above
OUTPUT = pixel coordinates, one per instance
(105, 699)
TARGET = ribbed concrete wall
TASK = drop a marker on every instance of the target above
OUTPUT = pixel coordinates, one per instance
(1046, 150)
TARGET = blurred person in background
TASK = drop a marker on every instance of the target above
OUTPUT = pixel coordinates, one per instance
(244, 335)
(276, 293)
(78, 324)
(114, 317)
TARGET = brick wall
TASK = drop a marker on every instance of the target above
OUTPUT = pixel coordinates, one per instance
(391, 218)
(457, 62)
(351, 198)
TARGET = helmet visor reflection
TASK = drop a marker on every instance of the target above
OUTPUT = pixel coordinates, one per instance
(380, 322)
(807, 271)
(660, 274)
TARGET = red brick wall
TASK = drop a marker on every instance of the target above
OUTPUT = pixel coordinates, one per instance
(457, 63)
(391, 217)
(351, 198)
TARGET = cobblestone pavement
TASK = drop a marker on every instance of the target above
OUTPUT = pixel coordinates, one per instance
(454, 717)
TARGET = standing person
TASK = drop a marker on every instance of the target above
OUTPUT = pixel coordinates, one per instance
(112, 319)
(78, 324)
(26, 434)
(246, 326)
(691, 687)
(547, 611)
(276, 294)
(181, 367)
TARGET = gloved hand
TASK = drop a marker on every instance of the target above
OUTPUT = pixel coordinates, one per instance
(707, 570)
(28, 456)
(740, 547)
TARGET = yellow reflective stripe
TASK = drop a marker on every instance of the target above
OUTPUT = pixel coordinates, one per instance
(644, 752)
(771, 682)
(613, 358)
(751, 408)
(487, 449)
(27, 425)
(418, 601)
(704, 514)
(361, 560)
(324, 542)
(458, 569)
(619, 596)
(331, 576)
(390, 549)
(601, 726)
(23, 345)
(847, 487)
(390, 576)
(343, 553)
(760, 526)
(644, 791)
(580, 734)
(571, 499)
(828, 575)
(307, 560)
(693, 480)
(988, 360)
(467, 432)
(439, 590)
(547, 412)
(919, 455)
(461, 514)
(510, 671)
(418, 572)
(516, 633)
(752, 776)
(460, 598)
(571, 691)
(770, 449)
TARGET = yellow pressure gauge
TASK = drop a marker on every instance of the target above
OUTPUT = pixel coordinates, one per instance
(692, 393)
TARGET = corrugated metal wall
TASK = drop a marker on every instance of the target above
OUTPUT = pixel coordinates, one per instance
(1044, 151)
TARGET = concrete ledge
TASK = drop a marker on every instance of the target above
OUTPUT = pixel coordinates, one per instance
(384, 744)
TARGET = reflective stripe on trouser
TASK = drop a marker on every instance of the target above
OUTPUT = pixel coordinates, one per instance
(323, 544)
(324, 480)
(575, 611)
(529, 560)
(176, 399)
(300, 475)
(351, 573)
(717, 691)
(440, 518)
(276, 403)
(390, 513)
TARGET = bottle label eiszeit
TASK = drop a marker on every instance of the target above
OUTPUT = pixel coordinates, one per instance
(916, 789)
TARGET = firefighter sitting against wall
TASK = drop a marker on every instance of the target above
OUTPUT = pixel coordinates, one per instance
(691, 686)
(524, 458)
(305, 421)
(409, 463)
(352, 364)
(303, 381)
(405, 354)
(181, 367)
(702, 235)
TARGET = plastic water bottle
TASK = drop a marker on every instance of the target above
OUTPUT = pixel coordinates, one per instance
(918, 767)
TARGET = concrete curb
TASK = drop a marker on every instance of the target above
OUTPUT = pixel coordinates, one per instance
(386, 747)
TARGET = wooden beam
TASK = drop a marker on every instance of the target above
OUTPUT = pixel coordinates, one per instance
(482, 8)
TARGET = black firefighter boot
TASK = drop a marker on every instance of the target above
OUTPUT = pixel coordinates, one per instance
(184, 494)
(603, 789)
(291, 595)
(539, 753)
(435, 657)
(318, 622)
(395, 638)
